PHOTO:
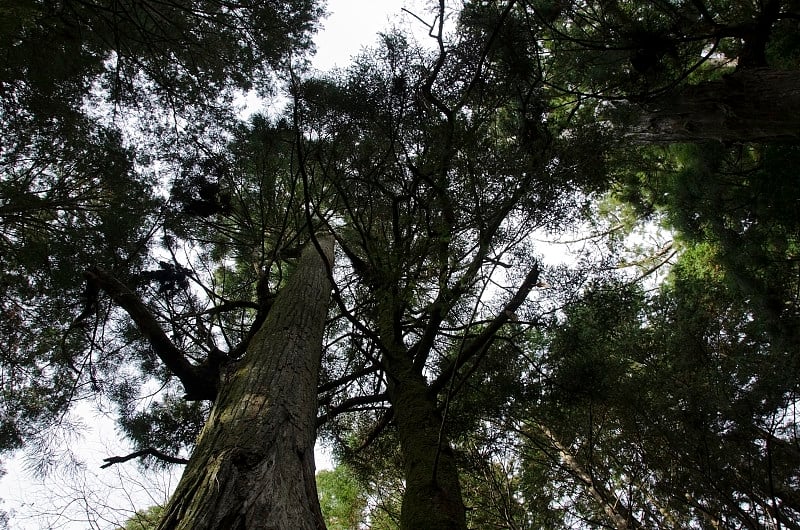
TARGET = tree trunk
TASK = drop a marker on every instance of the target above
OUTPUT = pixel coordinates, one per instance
(429, 501)
(253, 466)
(758, 105)
(614, 507)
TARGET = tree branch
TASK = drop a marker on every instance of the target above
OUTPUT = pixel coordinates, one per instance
(150, 451)
(448, 296)
(377, 429)
(349, 403)
(199, 381)
(487, 335)
(330, 385)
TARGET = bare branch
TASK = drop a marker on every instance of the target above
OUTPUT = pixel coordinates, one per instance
(150, 451)
(482, 341)
(349, 404)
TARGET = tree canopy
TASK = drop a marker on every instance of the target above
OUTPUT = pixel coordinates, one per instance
(172, 262)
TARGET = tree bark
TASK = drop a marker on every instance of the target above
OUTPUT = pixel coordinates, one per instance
(432, 497)
(755, 105)
(253, 466)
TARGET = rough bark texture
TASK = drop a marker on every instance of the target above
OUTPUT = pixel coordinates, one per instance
(253, 466)
(428, 502)
(748, 106)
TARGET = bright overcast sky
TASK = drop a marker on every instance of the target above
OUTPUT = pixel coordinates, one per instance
(351, 25)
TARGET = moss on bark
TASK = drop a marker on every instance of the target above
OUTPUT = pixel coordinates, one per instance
(253, 466)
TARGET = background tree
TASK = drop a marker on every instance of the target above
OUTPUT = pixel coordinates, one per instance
(715, 344)
(697, 71)
(600, 497)
(663, 412)
(145, 519)
(341, 498)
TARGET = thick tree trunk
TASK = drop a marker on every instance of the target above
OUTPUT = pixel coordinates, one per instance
(432, 496)
(755, 105)
(253, 466)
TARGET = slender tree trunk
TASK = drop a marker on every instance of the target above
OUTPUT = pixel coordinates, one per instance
(253, 466)
(752, 105)
(429, 501)
(612, 505)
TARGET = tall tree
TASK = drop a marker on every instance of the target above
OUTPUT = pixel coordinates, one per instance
(100, 103)
(76, 186)
(253, 463)
(609, 498)
(232, 330)
(440, 166)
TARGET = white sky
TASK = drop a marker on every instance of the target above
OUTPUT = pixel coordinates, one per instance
(38, 504)
(351, 25)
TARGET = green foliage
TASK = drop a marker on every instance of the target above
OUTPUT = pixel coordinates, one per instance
(585, 371)
(663, 408)
(341, 498)
(170, 424)
(352, 496)
(77, 205)
(652, 400)
(668, 408)
(147, 519)
(494, 492)
(191, 52)
(741, 202)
